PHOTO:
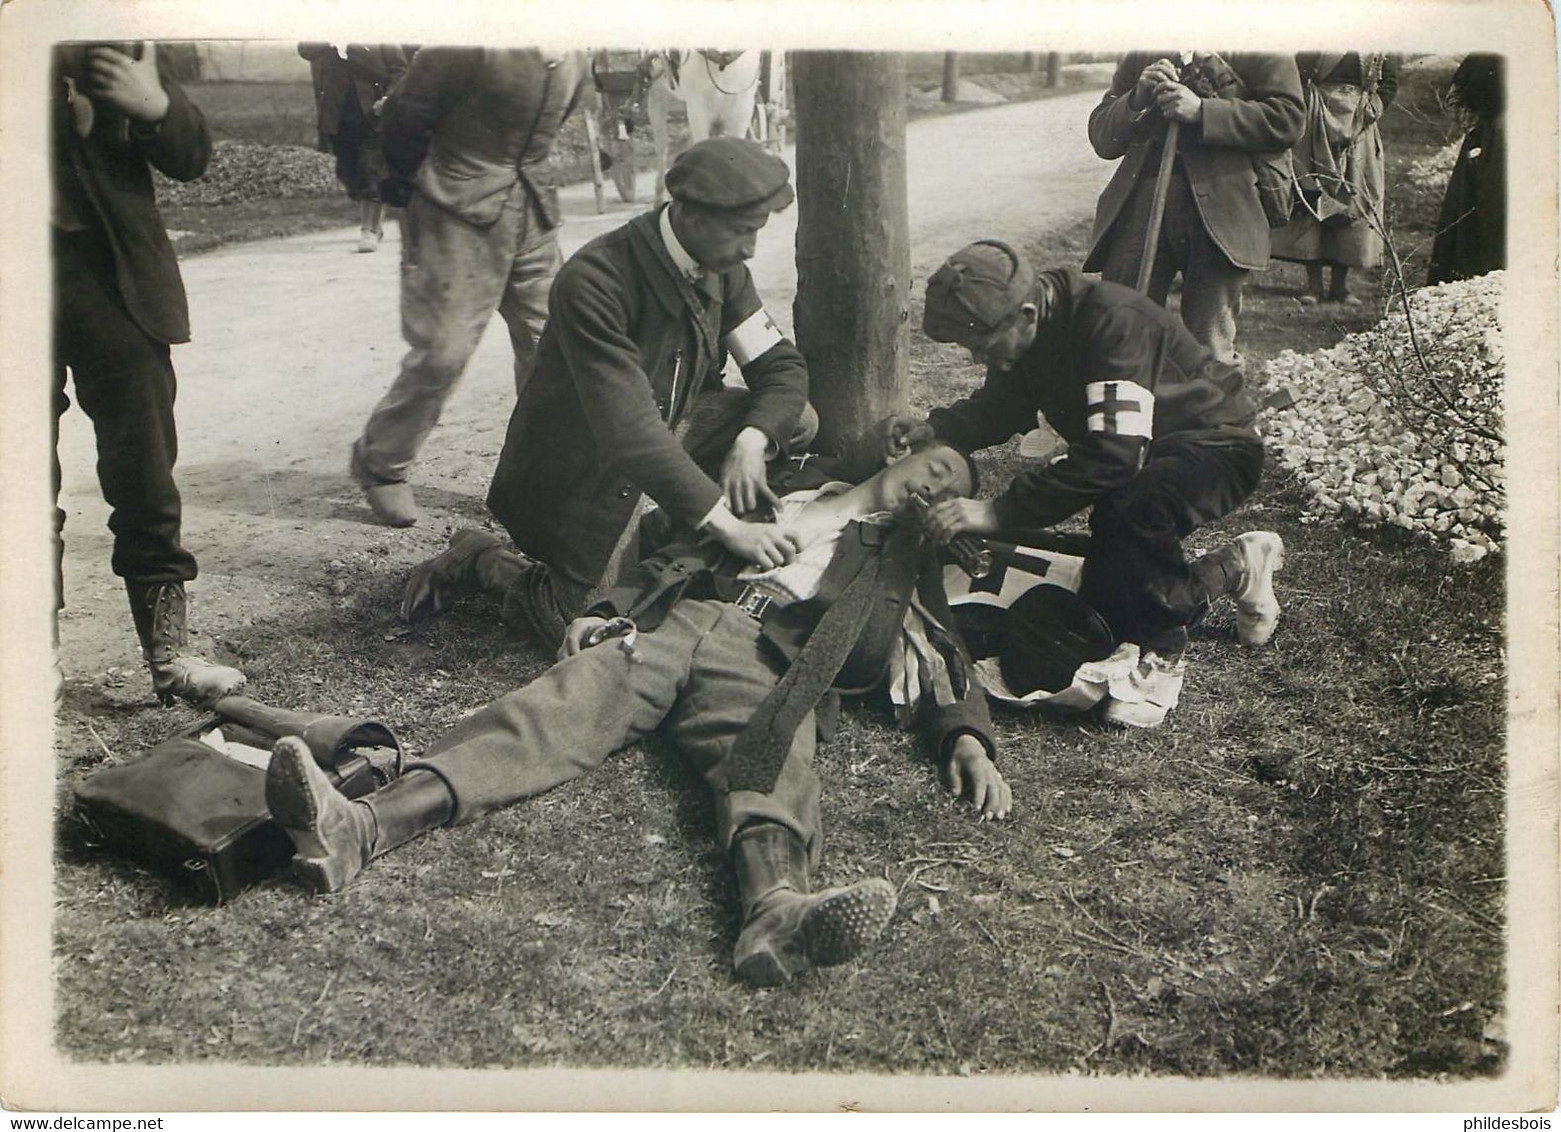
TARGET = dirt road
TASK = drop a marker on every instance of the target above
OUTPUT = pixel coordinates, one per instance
(296, 339)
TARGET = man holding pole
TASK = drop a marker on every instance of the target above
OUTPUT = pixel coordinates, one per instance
(1189, 128)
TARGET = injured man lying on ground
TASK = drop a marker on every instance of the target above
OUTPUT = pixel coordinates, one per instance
(727, 660)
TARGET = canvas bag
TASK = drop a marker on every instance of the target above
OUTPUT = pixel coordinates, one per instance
(186, 809)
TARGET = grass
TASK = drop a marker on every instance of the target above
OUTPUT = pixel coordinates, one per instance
(1300, 874)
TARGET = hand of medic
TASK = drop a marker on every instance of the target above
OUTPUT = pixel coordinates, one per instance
(743, 472)
(960, 516)
(901, 433)
(766, 545)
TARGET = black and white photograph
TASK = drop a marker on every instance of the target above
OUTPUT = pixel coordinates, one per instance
(924, 557)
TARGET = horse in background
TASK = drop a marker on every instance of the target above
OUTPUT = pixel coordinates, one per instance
(719, 90)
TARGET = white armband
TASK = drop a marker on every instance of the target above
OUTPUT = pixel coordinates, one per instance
(752, 338)
(1120, 408)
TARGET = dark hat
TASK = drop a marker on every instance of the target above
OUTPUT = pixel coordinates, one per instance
(1048, 632)
(975, 291)
(732, 174)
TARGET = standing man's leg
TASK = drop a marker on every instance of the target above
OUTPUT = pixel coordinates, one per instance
(1211, 293)
(452, 279)
(125, 383)
(1129, 239)
(533, 267)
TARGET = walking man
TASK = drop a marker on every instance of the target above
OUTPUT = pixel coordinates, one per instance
(466, 136)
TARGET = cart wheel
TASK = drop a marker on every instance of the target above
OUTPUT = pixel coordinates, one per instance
(623, 169)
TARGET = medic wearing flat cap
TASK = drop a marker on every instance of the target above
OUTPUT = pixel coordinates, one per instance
(641, 322)
(1160, 440)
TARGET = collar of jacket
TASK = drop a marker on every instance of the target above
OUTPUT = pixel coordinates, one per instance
(670, 286)
(1051, 337)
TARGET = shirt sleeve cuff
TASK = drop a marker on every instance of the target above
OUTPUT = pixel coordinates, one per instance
(946, 748)
(710, 515)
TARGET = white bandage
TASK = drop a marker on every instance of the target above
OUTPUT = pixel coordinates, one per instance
(1120, 408)
(748, 341)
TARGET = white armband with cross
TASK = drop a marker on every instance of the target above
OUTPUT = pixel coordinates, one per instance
(1119, 408)
(750, 339)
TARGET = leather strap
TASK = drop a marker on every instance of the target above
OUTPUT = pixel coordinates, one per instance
(760, 751)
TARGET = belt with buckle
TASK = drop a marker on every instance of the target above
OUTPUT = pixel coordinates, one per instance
(754, 602)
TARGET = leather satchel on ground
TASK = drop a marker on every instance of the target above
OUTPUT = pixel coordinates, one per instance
(192, 811)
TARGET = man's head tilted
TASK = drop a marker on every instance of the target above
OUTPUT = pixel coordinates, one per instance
(933, 469)
(983, 298)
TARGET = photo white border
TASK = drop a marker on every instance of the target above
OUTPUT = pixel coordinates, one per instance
(31, 1074)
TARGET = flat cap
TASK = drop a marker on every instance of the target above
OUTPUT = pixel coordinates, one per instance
(733, 174)
(975, 291)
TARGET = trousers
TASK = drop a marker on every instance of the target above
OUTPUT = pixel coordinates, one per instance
(124, 381)
(1135, 573)
(454, 275)
(541, 602)
(699, 676)
(1211, 284)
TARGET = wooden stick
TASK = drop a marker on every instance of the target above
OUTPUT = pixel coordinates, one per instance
(1162, 186)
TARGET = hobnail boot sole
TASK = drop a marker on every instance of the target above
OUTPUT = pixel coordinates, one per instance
(838, 925)
(845, 922)
(293, 797)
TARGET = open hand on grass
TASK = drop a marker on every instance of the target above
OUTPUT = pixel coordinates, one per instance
(970, 773)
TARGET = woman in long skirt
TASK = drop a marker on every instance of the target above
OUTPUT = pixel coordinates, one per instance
(1339, 166)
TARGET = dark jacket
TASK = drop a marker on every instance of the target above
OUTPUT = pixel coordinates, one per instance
(466, 123)
(909, 565)
(1263, 114)
(1099, 349)
(367, 73)
(1471, 231)
(628, 344)
(106, 181)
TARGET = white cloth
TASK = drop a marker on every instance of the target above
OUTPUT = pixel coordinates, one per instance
(798, 579)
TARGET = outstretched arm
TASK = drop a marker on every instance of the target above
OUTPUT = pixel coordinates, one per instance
(960, 730)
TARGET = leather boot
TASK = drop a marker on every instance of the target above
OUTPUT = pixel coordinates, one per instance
(158, 609)
(1244, 569)
(467, 565)
(390, 500)
(785, 929)
(335, 838)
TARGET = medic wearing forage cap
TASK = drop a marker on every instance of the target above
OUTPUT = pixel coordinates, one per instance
(640, 324)
(1160, 440)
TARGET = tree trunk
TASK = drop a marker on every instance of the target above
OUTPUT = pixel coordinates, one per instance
(1053, 68)
(950, 77)
(1032, 61)
(853, 236)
